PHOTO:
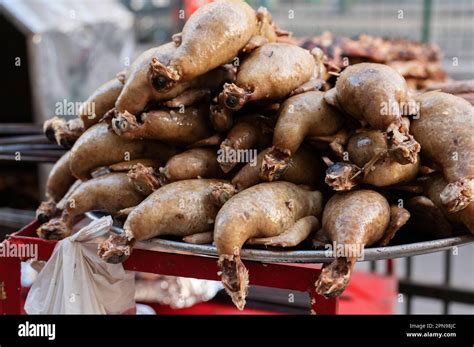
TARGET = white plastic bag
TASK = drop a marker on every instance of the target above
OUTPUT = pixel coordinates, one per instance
(76, 281)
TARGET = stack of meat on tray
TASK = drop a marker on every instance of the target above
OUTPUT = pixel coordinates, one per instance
(231, 135)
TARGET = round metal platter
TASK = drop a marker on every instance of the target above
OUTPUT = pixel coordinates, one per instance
(303, 256)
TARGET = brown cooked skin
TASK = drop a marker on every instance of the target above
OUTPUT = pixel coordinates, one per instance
(445, 131)
(305, 115)
(364, 146)
(176, 126)
(264, 210)
(260, 213)
(387, 172)
(110, 193)
(60, 178)
(299, 117)
(303, 168)
(103, 99)
(357, 217)
(180, 208)
(250, 132)
(363, 88)
(141, 85)
(193, 163)
(269, 73)
(367, 145)
(100, 146)
(127, 165)
(138, 88)
(433, 188)
(213, 36)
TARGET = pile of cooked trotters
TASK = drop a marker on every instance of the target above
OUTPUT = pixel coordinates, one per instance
(230, 135)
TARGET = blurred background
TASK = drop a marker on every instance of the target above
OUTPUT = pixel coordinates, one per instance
(60, 51)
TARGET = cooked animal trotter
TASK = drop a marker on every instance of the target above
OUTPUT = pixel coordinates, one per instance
(276, 214)
(193, 163)
(378, 95)
(304, 168)
(181, 208)
(100, 146)
(270, 73)
(354, 219)
(65, 133)
(249, 133)
(183, 126)
(143, 86)
(300, 116)
(59, 181)
(110, 193)
(445, 131)
(212, 36)
(371, 164)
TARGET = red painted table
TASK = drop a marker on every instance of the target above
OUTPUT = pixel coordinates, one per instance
(299, 277)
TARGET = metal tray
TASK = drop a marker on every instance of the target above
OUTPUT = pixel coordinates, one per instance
(303, 256)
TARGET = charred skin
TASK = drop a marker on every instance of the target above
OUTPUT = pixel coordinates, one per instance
(383, 110)
(262, 211)
(303, 168)
(352, 218)
(269, 73)
(300, 116)
(249, 133)
(181, 208)
(100, 146)
(143, 85)
(111, 193)
(169, 125)
(211, 37)
(444, 130)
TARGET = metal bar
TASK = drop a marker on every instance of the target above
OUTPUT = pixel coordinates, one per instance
(51, 152)
(436, 291)
(373, 266)
(408, 277)
(20, 128)
(10, 280)
(426, 28)
(24, 139)
(447, 278)
(30, 159)
(30, 147)
(15, 218)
